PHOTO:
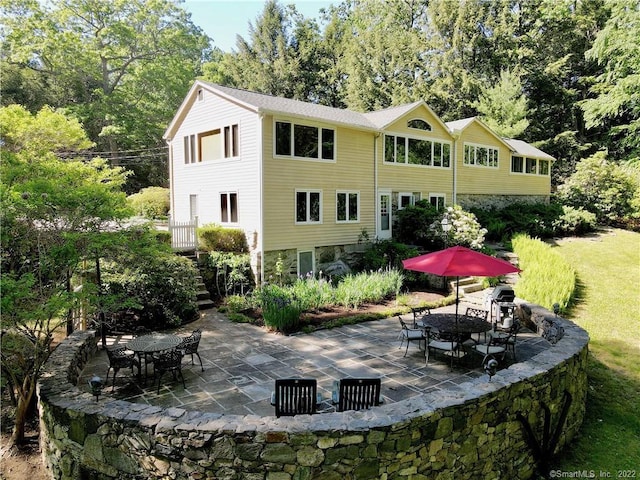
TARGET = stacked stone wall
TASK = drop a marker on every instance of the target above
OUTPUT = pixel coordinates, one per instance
(474, 431)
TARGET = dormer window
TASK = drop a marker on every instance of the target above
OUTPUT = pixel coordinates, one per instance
(419, 124)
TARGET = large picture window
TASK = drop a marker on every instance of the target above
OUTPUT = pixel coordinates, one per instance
(416, 151)
(229, 207)
(347, 206)
(308, 206)
(480, 155)
(304, 141)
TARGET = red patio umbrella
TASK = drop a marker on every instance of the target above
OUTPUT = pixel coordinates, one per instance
(459, 262)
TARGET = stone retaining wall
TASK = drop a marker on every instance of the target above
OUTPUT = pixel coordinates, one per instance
(476, 431)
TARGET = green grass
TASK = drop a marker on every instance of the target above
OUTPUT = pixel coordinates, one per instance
(608, 307)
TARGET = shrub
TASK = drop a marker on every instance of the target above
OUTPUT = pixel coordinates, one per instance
(217, 238)
(465, 228)
(534, 219)
(601, 187)
(546, 277)
(413, 224)
(385, 254)
(227, 273)
(162, 285)
(163, 236)
(575, 221)
(150, 202)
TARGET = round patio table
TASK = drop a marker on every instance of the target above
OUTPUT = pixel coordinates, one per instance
(152, 343)
(466, 325)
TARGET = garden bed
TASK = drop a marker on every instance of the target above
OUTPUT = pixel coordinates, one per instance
(321, 318)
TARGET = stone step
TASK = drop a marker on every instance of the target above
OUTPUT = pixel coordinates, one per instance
(205, 304)
(203, 294)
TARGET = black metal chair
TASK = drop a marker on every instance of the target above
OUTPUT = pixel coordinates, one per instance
(444, 342)
(478, 313)
(410, 335)
(189, 346)
(357, 394)
(119, 358)
(418, 314)
(295, 396)
(168, 361)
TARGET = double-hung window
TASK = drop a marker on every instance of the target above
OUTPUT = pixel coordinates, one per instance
(308, 206)
(190, 149)
(347, 207)
(304, 141)
(437, 200)
(517, 164)
(531, 165)
(229, 207)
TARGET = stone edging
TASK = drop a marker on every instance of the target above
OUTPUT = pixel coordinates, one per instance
(475, 431)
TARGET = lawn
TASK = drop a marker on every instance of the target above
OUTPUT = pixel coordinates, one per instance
(608, 307)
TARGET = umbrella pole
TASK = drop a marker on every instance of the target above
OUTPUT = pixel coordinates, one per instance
(457, 299)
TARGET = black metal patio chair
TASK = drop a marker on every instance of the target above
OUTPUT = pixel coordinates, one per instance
(295, 396)
(168, 361)
(120, 357)
(189, 346)
(356, 393)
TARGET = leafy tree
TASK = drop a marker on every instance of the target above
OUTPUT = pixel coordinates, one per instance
(382, 59)
(123, 67)
(616, 104)
(504, 106)
(52, 214)
(602, 187)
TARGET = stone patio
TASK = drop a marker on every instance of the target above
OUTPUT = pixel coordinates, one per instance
(242, 361)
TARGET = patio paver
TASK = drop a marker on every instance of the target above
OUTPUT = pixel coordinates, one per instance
(242, 361)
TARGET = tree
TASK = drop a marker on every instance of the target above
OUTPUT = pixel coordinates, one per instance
(504, 106)
(616, 104)
(54, 214)
(123, 67)
(383, 54)
(280, 57)
(603, 188)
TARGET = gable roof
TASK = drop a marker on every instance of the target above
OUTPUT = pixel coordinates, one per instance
(527, 150)
(377, 121)
(272, 105)
(461, 125)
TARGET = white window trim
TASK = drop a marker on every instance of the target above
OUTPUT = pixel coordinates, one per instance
(295, 205)
(419, 129)
(227, 193)
(439, 195)
(306, 159)
(406, 149)
(347, 193)
(548, 167)
(406, 194)
(476, 146)
(313, 261)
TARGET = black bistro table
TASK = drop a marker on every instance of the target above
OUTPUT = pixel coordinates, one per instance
(152, 343)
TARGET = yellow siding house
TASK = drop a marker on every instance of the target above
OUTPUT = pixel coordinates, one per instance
(308, 182)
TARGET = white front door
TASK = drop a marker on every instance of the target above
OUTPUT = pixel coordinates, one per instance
(384, 214)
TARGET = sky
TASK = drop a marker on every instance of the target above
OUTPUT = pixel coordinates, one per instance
(222, 20)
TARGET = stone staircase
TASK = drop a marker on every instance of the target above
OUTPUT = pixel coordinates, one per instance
(203, 296)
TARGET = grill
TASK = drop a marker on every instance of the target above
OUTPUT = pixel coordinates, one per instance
(503, 293)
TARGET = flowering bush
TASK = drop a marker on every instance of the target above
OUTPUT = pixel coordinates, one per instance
(465, 230)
